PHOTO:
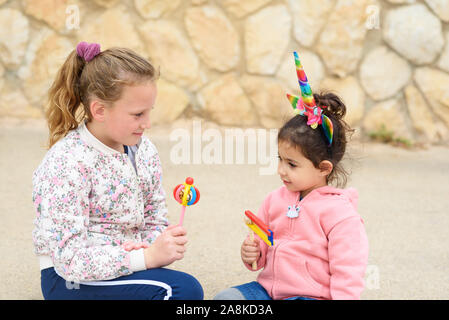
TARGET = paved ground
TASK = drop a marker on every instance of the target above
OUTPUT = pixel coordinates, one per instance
(403, 200)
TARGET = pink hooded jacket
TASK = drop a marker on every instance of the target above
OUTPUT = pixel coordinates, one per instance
(322, 253)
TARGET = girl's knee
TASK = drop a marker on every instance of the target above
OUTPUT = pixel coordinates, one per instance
(230, 294)
(188, 288)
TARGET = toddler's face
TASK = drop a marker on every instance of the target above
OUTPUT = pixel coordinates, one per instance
(129, 116)
(297, 172)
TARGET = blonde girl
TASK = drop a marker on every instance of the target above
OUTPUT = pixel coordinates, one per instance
(101, 230)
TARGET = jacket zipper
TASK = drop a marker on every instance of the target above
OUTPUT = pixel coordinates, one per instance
(272, 268)
(298, 201)
(136, 180)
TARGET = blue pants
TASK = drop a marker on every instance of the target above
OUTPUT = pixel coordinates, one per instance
(151, 284)
(249, 291)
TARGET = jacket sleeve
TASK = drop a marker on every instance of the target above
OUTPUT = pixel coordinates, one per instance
(348, 258)
(61, 197)
(155, 208)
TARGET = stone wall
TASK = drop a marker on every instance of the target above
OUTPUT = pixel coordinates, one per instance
(230, 61)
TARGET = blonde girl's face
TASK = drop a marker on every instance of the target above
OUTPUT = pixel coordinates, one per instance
(128, 117)
(297, 172)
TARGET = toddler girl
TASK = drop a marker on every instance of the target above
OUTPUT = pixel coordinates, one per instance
(320, 246)
(101, 230)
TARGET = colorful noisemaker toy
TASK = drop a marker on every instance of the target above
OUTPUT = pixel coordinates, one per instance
(261, 229)
(186, 194)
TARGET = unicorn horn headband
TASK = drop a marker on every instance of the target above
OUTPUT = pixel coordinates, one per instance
(306, 106)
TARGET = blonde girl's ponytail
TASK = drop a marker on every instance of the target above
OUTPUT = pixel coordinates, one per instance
(64, 99)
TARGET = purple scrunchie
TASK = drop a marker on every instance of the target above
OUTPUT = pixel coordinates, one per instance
(87, 51)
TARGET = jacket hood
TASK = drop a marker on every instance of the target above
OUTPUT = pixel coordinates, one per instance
(350, 193)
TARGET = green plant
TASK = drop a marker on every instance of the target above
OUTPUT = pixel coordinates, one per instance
(386, 136)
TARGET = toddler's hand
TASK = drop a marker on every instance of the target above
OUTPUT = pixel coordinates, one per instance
(250, 251)
(167, 248)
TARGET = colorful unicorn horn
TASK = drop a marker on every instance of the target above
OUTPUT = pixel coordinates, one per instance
(306, 105)
(306, 91)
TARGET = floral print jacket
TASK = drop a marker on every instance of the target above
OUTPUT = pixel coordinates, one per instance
(89, 200)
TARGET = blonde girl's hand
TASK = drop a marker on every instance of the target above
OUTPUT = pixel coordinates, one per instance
(167, 248)
(250, 251)
(131, 245)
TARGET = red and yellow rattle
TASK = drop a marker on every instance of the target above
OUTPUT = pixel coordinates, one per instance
(186, 194)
